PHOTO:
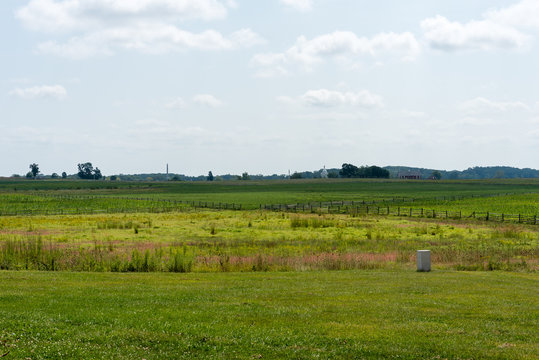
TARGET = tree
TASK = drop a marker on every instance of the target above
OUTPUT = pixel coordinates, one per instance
(296, 175)
(245, 176)
(54, 176)
(86, 171)
(377, 172)
(436, 175)
(333, 174)
(64, 175)
(97, 174)
(29, 175)
(453, 175)
(210, 176)
(34, 169)
(348, 170)
(352, 171)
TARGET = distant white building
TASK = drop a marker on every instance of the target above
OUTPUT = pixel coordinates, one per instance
(324, 173)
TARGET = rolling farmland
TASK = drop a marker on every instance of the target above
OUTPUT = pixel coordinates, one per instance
(178, 263)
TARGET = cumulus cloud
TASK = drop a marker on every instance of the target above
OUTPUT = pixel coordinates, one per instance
(301, 5)
(207, 100)
(68, 15)
(338, 45)
(329, 98)
(443, 34)
(45, 91)
(482, 105)
(497, 29)
(147, 38)
(102, 27)
(522, 14)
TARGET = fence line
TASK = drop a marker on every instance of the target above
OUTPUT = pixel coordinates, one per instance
(160, 205)
(404, 212)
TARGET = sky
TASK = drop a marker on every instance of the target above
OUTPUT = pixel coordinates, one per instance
(267, 86)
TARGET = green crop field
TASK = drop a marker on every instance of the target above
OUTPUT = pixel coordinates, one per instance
(253, 193)
(96, 269)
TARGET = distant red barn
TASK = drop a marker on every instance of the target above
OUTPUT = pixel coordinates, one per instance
(409, 175)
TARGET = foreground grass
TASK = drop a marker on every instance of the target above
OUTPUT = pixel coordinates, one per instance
(340, 314)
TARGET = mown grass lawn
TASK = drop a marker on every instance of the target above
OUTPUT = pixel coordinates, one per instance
(331, 314)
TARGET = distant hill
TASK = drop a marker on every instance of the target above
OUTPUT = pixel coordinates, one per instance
(478, 172)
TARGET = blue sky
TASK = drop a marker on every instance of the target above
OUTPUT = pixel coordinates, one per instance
(267, 86)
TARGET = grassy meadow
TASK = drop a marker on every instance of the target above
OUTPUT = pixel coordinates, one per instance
(209, 240)
(302, 315)
(133, 270)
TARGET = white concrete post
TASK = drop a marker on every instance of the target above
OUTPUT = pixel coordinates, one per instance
(423, 260)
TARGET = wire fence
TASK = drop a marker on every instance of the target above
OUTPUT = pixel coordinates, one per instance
(115, 205)
(343, 208)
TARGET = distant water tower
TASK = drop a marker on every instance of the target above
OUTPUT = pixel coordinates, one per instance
(324, 173)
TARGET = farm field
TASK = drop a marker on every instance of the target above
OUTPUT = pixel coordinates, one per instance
(138, 270)
(519, 196)
(251, 194)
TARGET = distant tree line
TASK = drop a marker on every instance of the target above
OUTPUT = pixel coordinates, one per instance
(352, 171)
(478, 172)
(87, 171)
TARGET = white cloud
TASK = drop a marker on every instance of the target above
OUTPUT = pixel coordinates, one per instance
(147, 38)
(102, 27)
(497, 29)
(69, 15)
(482, 105)
(300, 5)
(522, 14)
(443, 34)
(207, 100)
(339, 45)
(45, 91)
(329, 98)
